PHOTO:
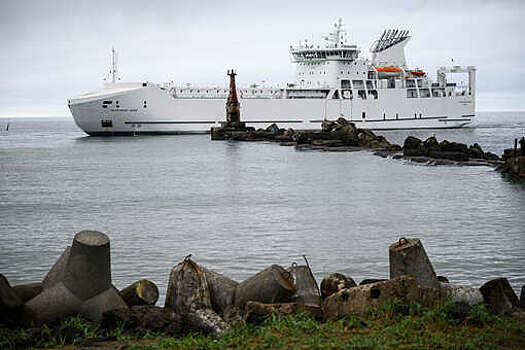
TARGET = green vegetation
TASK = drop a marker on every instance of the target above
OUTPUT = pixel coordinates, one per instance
(393, 326)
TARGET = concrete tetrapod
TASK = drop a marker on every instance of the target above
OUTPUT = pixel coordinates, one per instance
(334, 283)
(306, 288)
(80, 282)
(142, 292)
(9, 300)
(189, 295)
(522, 297)
(222, 291)
(27, 291)
(360, 299)
(272, 285)
(500, 296)
(461, 294)
(408, 258)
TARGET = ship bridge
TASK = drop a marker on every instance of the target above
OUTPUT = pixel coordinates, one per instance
(323, 66)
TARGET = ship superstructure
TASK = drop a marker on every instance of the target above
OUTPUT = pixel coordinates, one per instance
(331, 81)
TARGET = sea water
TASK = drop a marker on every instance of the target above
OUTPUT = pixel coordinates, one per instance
(240, 207)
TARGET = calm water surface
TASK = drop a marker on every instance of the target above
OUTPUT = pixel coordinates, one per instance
(239, 207)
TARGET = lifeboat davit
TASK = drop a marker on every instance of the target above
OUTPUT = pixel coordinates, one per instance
(388, 72)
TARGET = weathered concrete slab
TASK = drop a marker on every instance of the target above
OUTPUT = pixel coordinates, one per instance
(272, 285)
(499, 296)
(461, 294)
(306, 288)
(408, 258)
(360, 299)
(222, 291)
(187, 288)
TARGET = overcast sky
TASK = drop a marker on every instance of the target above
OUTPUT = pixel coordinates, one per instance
(50, 50)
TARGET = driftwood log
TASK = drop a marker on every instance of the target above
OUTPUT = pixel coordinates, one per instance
(334, 283)
(500, 296)
(142, 292)
(306, 288)
(80, 283)
(189, 295)
(408, 258)
(272, 285)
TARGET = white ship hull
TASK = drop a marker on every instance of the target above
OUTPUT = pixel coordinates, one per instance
(330, 82)
(165, 114)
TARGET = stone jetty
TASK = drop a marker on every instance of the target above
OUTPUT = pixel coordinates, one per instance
(514, 159)
(204, 301)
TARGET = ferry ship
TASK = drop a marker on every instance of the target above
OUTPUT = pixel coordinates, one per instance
(331, 81)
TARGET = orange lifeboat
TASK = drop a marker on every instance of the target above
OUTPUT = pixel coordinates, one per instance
(390, 69)
(417, 73)
(388, 72)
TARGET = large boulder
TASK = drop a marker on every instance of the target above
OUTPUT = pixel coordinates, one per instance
(334, 283)
(273, 129)
(412, 142)
(494, 157)
(360, 299)
(447, 146)
(408, 258)
(499, 296)
(79, 283)
(272, 285)
(430, 144)
(475, 151)
(327, 126)
(455, 156)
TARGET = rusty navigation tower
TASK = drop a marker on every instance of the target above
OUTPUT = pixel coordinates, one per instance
(233, 113)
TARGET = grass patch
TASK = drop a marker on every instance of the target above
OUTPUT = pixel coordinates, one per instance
(392, 326)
